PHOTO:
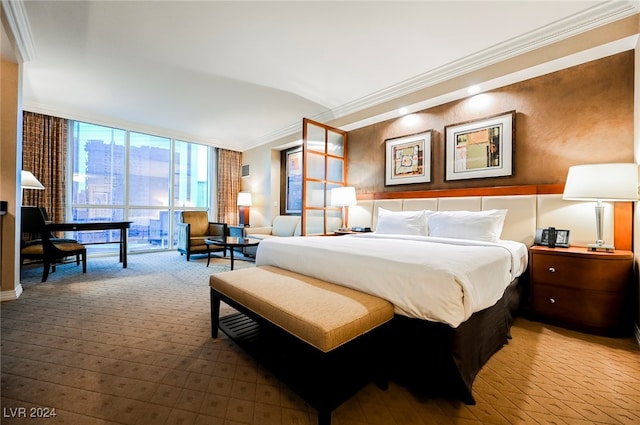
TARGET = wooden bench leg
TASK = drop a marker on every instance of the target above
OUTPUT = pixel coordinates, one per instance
(215, 314)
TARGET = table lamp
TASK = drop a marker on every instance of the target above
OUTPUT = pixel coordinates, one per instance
(343, 197)
(244, 202)
(602, 182)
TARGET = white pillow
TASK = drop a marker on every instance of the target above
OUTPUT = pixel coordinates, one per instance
(476, 225)
(402, 222)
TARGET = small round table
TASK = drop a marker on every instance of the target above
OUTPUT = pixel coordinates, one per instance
(229, 242)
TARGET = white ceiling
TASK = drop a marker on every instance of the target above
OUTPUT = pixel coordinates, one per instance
(239, 74)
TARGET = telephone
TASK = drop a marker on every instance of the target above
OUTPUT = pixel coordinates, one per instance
(552, 237)
(361, 229)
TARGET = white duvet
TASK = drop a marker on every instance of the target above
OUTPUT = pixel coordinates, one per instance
(437, 279)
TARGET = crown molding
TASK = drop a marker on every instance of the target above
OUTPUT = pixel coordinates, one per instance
(592, 18)
(16, 17)
(585, 21)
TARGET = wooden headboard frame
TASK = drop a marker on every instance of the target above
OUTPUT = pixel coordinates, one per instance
(622, 215)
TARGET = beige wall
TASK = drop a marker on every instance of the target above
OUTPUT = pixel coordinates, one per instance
(10, 150)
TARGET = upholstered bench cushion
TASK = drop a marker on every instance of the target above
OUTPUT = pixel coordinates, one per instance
(322, 314)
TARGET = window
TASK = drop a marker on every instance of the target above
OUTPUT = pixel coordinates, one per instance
(146, 179)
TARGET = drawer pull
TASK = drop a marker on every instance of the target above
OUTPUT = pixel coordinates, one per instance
(552, 269)
(552, 300)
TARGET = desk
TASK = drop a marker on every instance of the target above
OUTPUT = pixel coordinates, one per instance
(230, 242)
(97, 225)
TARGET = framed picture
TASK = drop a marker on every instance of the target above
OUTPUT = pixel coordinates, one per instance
(480, 149)
(408, 159)
(294, 181)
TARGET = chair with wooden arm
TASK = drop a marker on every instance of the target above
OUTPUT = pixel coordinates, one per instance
(194, 227)
(46, 248)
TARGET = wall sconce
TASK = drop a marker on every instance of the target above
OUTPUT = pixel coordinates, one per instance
(244, 202)
(343, 197)
(601, 182)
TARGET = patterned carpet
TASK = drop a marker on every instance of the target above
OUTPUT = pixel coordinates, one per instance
(133, 346)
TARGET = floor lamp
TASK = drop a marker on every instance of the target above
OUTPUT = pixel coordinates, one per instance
(601, 182)
(29, 181)
(244, 205)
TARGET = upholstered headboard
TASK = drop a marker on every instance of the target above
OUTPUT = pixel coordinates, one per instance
(525, 213)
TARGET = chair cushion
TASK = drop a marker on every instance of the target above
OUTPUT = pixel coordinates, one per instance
(37, 249)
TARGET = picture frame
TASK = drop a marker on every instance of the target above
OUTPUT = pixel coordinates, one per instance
(542, 237)
(408, 159)
(293, 200)
(480, 149)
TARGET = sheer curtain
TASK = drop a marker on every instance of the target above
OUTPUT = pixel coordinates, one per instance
(229, 181)
(44, 153)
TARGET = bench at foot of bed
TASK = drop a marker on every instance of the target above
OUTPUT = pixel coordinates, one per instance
(317, 337)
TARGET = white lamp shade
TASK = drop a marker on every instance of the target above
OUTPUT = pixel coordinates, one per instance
(29, 181)
(603, 182)
(244, 199)
(343, 196)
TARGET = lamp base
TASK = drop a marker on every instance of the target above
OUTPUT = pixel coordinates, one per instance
(601, 247)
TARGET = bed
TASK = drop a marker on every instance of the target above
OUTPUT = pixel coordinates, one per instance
(418, 261)
(454, 269)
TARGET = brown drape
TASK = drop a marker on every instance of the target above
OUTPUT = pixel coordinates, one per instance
(229, 181)
(44, 153)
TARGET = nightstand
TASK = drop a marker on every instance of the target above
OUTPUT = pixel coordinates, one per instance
(580, 289)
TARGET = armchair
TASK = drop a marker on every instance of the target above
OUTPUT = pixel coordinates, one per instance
(194, 227)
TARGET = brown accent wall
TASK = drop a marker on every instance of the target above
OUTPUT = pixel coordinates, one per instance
(579, 115)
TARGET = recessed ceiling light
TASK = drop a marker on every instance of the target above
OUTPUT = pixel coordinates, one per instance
(473, 89)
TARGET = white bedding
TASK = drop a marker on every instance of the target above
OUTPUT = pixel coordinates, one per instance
(438, 279)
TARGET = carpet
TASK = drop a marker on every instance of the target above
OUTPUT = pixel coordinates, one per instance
(133, 347)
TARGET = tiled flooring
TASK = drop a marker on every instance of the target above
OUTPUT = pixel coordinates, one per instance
(133, 346)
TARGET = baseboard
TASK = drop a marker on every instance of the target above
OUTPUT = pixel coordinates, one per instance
(637, 332)
(11, 295)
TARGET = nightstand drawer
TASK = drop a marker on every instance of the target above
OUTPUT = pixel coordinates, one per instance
(588, 273)
(592, 311)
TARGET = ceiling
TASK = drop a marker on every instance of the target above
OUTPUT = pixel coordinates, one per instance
(240, 74)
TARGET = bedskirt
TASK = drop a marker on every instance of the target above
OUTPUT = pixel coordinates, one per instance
(435, 359)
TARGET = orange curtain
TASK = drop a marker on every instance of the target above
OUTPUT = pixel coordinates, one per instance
(44, 153)
(229, 181)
